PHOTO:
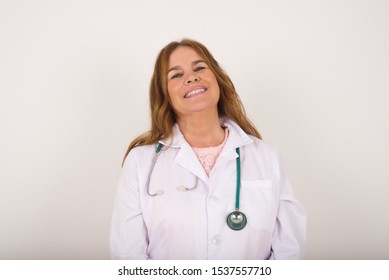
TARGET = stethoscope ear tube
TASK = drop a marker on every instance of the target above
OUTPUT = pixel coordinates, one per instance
(161, 192)
(157, 152)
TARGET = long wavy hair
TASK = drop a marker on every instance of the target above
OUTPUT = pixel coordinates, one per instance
(162, 114)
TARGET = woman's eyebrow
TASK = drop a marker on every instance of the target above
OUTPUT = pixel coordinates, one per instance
(173, 68)
(179, 67)
(197, 62)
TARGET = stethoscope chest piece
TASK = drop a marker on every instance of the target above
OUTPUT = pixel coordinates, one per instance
(236, 220)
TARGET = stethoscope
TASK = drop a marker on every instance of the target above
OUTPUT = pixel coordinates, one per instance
(236, 220)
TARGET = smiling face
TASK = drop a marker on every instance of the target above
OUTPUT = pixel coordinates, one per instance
(191, 85)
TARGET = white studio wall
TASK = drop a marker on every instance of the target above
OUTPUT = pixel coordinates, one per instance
(74, 78)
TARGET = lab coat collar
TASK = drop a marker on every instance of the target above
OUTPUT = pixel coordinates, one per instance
(236, 138)
(187, 158)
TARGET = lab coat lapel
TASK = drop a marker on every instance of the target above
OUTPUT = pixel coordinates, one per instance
(228, 154)
(188, 160)
(236, 138)
(186, 157)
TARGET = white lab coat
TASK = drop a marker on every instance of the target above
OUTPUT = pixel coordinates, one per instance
(192, 224)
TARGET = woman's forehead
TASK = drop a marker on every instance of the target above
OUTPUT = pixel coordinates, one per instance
(183, 55)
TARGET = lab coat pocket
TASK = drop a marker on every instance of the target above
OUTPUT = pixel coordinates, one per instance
(259, 203)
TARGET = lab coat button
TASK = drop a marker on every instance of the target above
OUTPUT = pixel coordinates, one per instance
(216, 241)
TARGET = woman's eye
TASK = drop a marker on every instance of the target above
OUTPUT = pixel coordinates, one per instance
(197, 69)
(176, 76)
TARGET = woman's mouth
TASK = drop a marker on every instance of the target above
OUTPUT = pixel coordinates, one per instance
(195, 92)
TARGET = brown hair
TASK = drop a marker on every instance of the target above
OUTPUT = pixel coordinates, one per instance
(162, 114)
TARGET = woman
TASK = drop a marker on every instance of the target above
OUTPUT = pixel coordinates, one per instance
(201, 184)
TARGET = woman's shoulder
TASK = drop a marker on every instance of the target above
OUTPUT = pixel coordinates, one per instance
(144, 148)
(262, 144)
(140, 152)
(263, 147)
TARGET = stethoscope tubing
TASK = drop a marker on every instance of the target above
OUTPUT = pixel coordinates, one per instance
(232, 221)
(238, 182)
(157, 152)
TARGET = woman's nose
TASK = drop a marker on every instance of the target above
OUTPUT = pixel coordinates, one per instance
(191, 79)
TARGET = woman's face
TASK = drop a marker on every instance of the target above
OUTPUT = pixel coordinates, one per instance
(191, 85)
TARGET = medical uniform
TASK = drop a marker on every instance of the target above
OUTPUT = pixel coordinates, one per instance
(179, 224)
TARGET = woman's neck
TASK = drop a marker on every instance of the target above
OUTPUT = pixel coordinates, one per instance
(201, 131)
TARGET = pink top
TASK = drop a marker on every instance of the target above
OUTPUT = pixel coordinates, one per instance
(208, 156)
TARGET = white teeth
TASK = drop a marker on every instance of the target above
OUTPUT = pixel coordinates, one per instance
(194, 92)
